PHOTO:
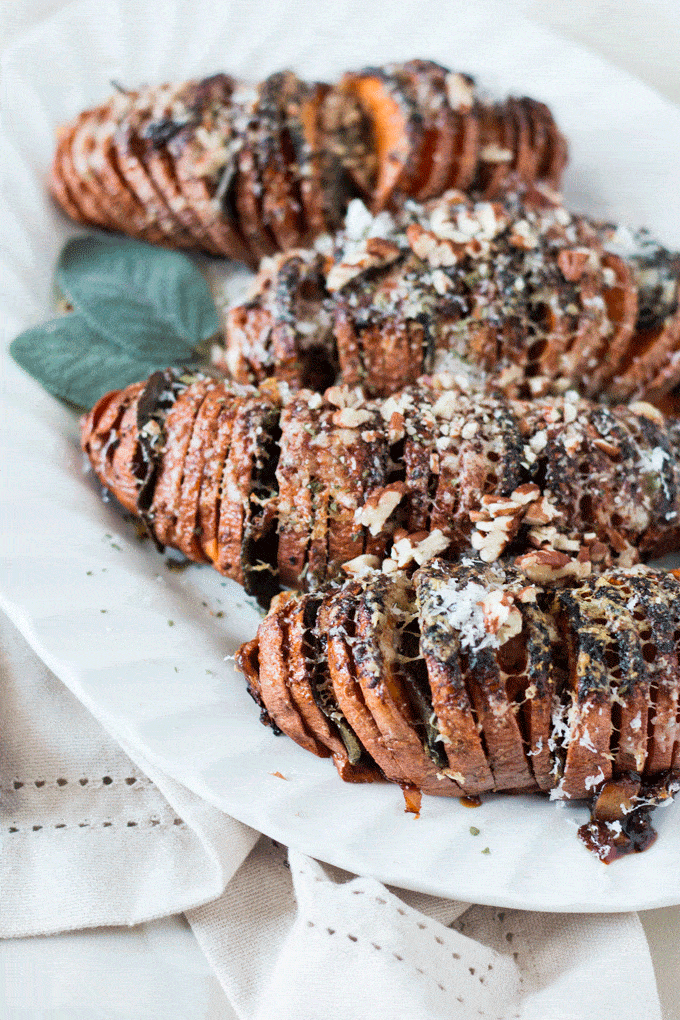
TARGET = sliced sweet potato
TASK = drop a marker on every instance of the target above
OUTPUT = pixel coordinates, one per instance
(170, 116)
(621, 302)
(592, 477)
(247, 661)
(496, 715)
(496, 150)
(539, 136)
(341, 454)
(90, 422)
(248, 447)
(111, 419)
(352, 461)
(652, 447)
(428, 86)
(126, 209)
(539, 689)
(570, 462)
(179, 426)
(161, 391)
(219, 437)
(57, 184)
(419, 456)
(396, 125)
(657, 622)
(311, 690)
(392, 356)
(650, 370)
(591, 333)
(247, 342)
(187, 536)
(273, 642)
(553, 337)
(248, 201)
(490, 678)
(460, 89)
(346, 154)
(628, 673)
(259, 548)
(587, 713)
(347, 342)
(213, 211)
(456, 720)
(83, 155)
(126, 483)
(633, 703)
(296, 471)
(300, 345)
(523, 165)
(385, 687)
(337, 622)
(302, 112)
(82, 188)
(549, 142)
(488, 462)
(281, 202)
(130, 148)
(317, 552)
(558, 154)
(204, 156)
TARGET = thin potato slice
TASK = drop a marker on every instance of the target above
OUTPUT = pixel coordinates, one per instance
(396, 125)
(179, 426)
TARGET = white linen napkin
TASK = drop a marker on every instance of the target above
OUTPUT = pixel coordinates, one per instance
(94, 836)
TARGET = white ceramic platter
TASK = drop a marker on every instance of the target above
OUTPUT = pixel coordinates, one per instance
(142, 646)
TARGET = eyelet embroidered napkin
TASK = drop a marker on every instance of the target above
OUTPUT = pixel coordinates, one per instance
(88, 838)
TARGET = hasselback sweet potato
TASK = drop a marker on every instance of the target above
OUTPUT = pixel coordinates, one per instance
(465, 678)
(272, 487)
(239, 171)
(518, 289)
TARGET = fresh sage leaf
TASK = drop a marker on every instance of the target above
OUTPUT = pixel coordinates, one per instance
(149, 301)
(74, 363)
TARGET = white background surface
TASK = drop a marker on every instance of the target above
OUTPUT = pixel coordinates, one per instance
(643, 38)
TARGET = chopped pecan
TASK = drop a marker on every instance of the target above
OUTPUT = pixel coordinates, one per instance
(540, 512)
(545, 565)
(436, 251)
(501, 616)
(574, 262)
(384, 251)
(351, 417)
(344, 396)
(361, 565)
(379, 507)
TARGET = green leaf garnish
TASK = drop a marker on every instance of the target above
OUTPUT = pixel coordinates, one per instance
(137, 309)
(72, 362)
(149, 301)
